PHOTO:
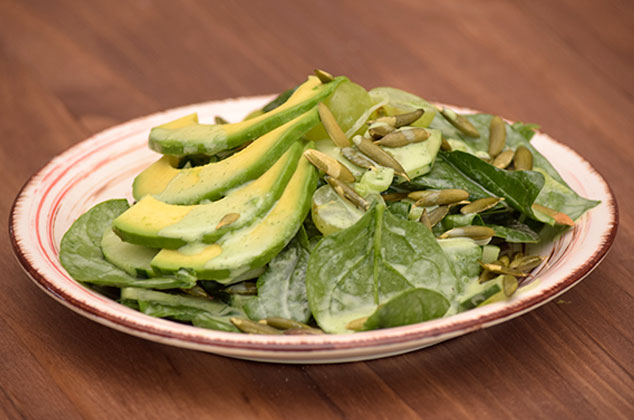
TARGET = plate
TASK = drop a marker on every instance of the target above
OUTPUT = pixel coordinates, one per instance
(103, 167)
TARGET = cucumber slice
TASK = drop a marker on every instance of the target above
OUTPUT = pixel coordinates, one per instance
(133, 259)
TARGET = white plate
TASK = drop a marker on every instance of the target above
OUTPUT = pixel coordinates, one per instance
(103, 167)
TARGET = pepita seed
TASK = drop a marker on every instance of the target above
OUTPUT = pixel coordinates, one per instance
(474, 232)
(197, 291)
(379, 155)
(481, 205)
(485, 276)
(227, 219)
(460, 122)
(438, 197)
(402, 120)
(517, 255)
(504, 260)
(252, 327)
(500, 269)
(284, 323)
(527, 263)
(497, 136)
(504, 159)
(324, 76)
(219, 120)
(347, 193)
(380, 129)
(437, 214)
(559, 217)
(332, 127)
(424, 219)
(390, 197)
(404, 137)
(356, 324)
(303, 331)
(248, 288)
(357, 158)
(523, 159)
(444, 145)
(330, 166)
(509, 285)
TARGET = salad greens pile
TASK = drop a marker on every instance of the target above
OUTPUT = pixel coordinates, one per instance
(332, 209)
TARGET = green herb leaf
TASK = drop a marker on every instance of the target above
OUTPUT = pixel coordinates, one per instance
(409, 307)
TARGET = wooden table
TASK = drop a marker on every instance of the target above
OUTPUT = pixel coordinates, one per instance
(69, 69)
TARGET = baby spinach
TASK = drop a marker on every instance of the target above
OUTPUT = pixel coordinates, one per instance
(409, 307)
(351, 272)
(282, 288)
(80, 253)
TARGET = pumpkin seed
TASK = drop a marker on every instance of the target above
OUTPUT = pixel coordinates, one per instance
(559, 217)
(197, 291)
(332, 127)
(357, 158)
(227, 219)
(517, 255)
(481, 205)
(357, 324)
(504, 159)
(380, 129)
(303, 331)
(324, 76)
(523, 159)
(242, 288)
(497, 136)
(396, 196)
(438, 197)
(404, 137)
(379, 155)
(474, 232)
(460, 122)
(251, 327)
(509, 285)
(347, 193)
(283, 323)
(527, 263)
(424, 219)
(485, 276)
(330, 166)
(444, 145)
(505, 260)
(219, 120)
(437, 214)
(402, 120)
(500, 269)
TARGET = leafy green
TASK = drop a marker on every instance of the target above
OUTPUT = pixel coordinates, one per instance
(353, 271)
(464, 253)
(282, 288)
(511, 231)
(80, 253)
(409, 307)
(279, 100)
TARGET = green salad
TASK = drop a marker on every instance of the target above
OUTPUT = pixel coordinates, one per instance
(332, 209)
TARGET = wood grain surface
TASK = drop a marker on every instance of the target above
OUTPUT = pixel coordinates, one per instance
(71, 68)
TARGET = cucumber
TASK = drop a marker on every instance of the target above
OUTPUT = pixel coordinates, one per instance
(133, 259)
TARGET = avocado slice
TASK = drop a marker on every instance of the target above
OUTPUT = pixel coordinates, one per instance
(185, 136)
(133, 259)
(153, 223)
(189, 186)
(252, 246)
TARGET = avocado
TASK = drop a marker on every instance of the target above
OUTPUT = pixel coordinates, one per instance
(185, 136)
(133, 259)
(153, 223)
(252, 246)
(189, 186)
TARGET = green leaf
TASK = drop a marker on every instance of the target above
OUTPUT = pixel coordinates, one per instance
(80, 253)
(409, 307)
(511, 231)
(353, 271)
(282, 288)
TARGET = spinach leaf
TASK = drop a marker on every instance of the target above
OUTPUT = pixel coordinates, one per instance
(444, 176)
(464, 254)
(282, 288)
(200, 311)
(409, 307)
(80, 253)
(351, 272)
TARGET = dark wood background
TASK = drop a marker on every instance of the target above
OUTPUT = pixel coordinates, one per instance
(71, 68)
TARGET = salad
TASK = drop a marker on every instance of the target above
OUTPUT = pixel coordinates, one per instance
(332, 209)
